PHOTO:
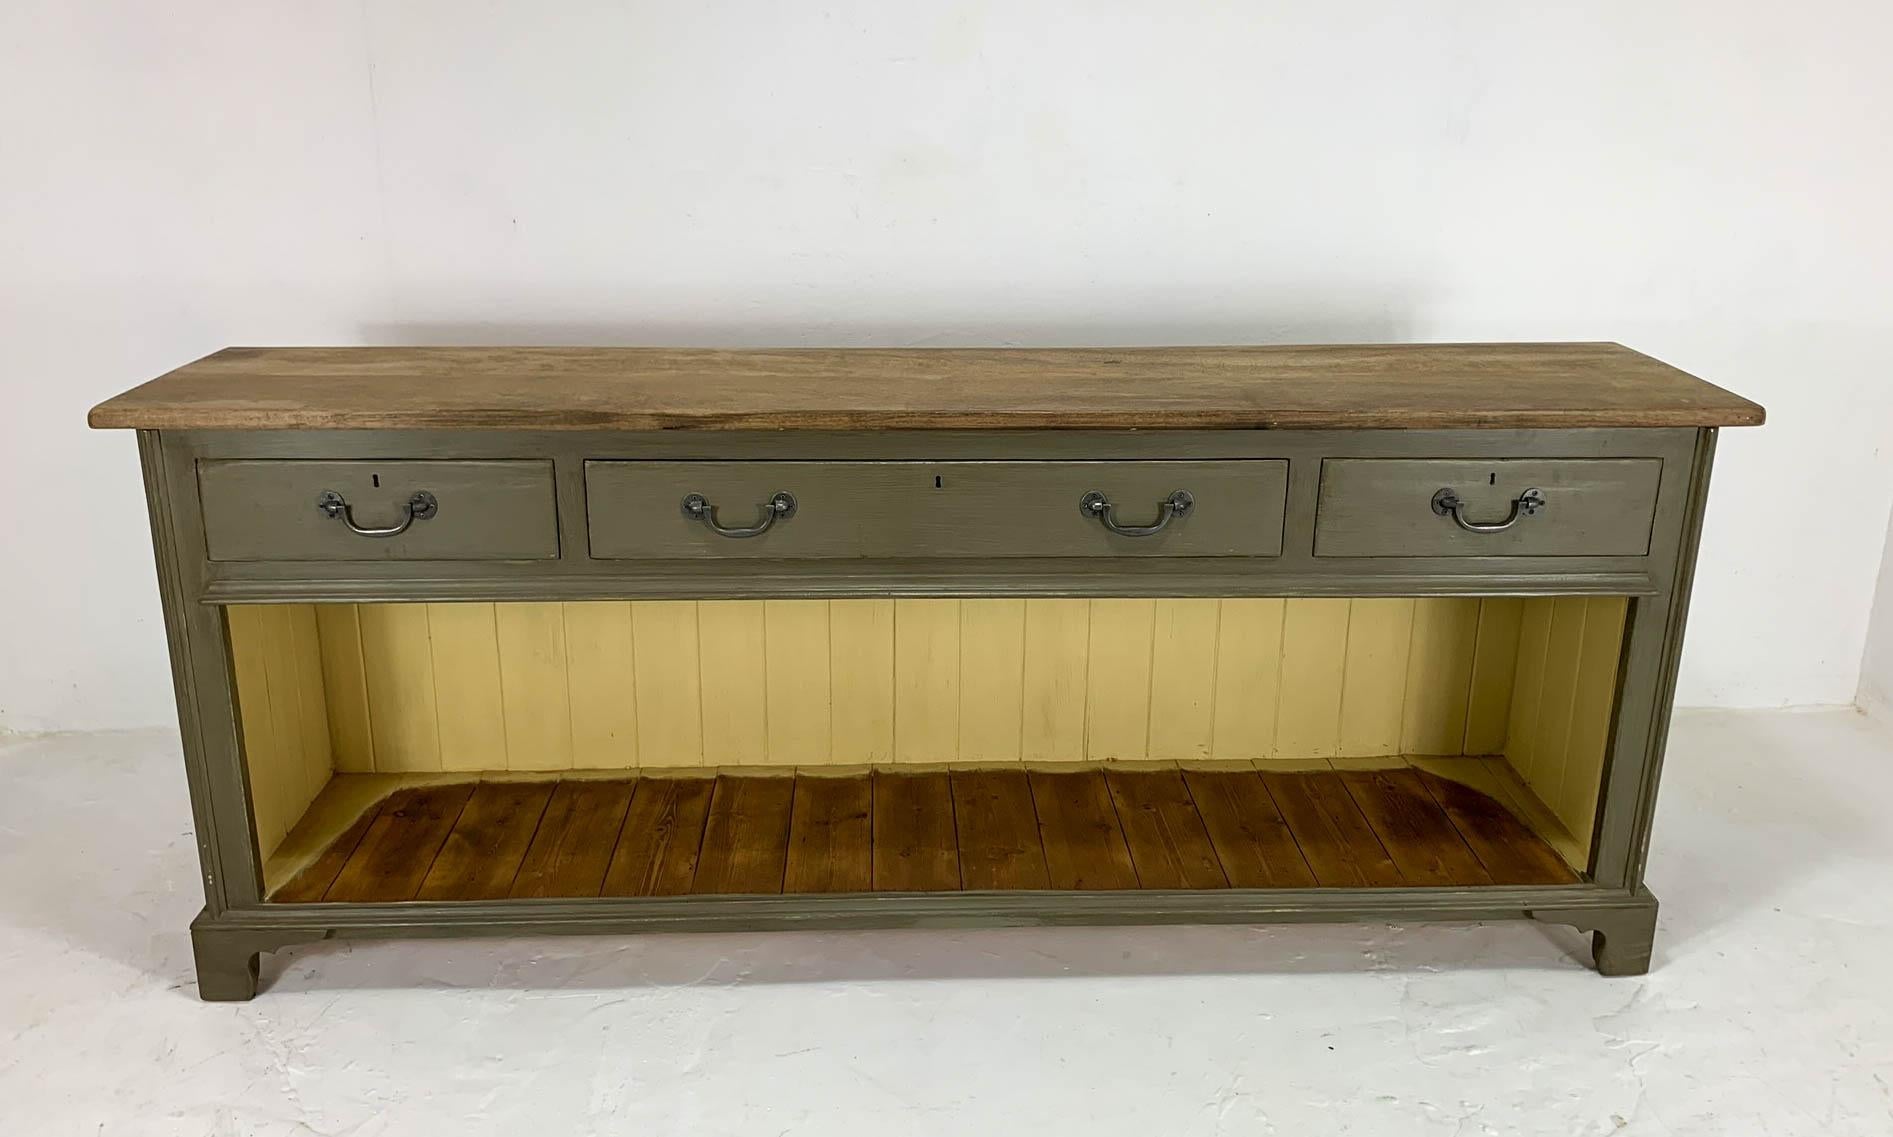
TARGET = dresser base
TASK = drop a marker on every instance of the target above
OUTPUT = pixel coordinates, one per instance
(1622, 924)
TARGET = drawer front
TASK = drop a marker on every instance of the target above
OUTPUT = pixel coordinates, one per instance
(936, 509)
(303, 511)
(1373, 507)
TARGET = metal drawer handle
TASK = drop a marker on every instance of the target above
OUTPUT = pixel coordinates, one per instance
(420, 507)
(780, 506)
(1446, 503)
(1095, 504)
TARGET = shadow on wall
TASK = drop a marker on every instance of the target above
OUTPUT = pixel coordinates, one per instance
(1284, 325)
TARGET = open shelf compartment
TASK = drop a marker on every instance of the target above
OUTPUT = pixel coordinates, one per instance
(484, 751)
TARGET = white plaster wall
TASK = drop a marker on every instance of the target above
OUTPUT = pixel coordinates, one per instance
(1876, 666)
(1704, 181)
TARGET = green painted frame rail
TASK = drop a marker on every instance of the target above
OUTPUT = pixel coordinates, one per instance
(237, 925)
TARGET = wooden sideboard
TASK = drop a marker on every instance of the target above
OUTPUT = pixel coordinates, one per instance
(534, 640)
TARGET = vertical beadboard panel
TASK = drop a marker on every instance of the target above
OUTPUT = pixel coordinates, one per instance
(291, 761)
(1248, 676)
(992, 666)
(318, 750)
(1494, 663)
(1183, 678)
(468, 700)
(1534, 636)
(1562, 655)
(345, 687)
(262, 753)
(532, 683)
(670, 709)
(1117, 685)
(735, 696)
(1375, 674)
(285, 704)
(600, 670)
(399, 664)
(926, 680)
(275, 658)
(1594, 700)
(1314, 656)
(795, 636)
(1057, 645)
(861, 678)
(671, 683)
(1439, 676)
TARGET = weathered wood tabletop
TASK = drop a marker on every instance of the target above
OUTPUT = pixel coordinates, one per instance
(1418, 386)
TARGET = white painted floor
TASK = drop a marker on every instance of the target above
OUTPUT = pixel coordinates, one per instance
(1770, 1010)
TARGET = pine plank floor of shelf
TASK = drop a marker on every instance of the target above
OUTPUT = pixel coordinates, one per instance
(893, 831)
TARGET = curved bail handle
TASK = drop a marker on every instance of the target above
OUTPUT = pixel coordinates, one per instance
(1095, 504)
(419, 507)
(780, 506)
(1446, 503)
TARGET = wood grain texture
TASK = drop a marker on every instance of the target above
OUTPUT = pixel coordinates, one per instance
(746, 836)
(1339, 386)
(998, 830)
(915, 846)
(892, 830)
(1338, 845)
(1252, 841)
(1084, 844)
(483, 852)
(831, 836)
(1412, 827)
(1169, 845)
(572, 848)
(401, 843)
(312, 883)
(660, 839)
(1510, 852)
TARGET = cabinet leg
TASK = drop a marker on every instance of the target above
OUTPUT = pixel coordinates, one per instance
(226, 966)
(1622, 944)
(228, 953)
(1621, 936)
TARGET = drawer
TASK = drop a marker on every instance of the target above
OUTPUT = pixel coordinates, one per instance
(1373, 507)
(345, 510)
(935, 509)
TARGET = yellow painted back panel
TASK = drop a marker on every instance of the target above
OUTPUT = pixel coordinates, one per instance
(798, 682)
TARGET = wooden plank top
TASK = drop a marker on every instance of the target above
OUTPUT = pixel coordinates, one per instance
(1416, 386)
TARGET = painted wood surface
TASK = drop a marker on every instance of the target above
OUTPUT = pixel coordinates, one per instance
(1548, 385)
(1558, 731)
(276, 656)
(668, 684)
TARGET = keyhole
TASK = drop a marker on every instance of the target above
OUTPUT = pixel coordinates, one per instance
(1493, 480)
(937, 484)
(375, 479)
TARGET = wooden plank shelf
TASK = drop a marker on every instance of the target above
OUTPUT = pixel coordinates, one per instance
(936, 830)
